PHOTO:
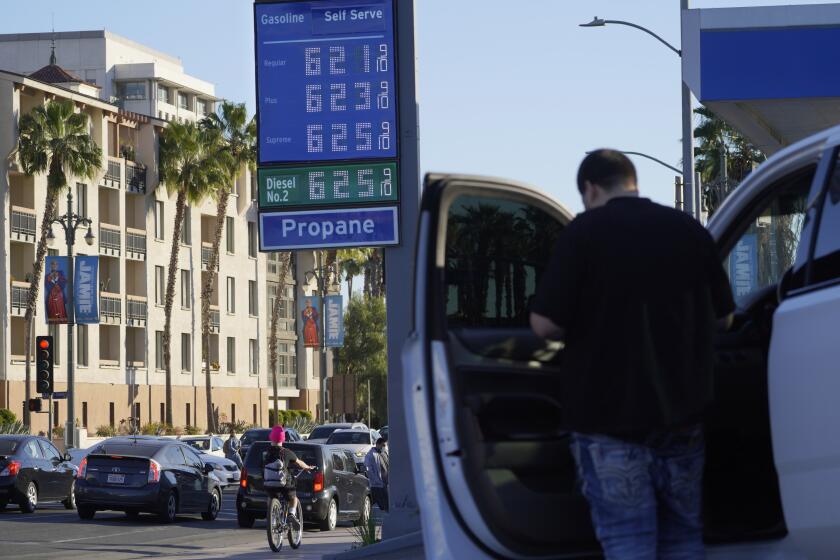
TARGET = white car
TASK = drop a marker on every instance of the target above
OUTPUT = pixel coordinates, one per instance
(224, 470)
(482, 393)
(357, 441)
(211, 445)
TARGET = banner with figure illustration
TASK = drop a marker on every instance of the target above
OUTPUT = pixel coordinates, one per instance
(310, 315)
(55, 290)
(86, 290)
(334, 319)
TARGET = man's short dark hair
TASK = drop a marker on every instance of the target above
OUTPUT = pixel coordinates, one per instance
(606, 168)
(380, 441)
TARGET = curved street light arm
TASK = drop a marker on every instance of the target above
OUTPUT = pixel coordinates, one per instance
(648, 31)
(657, 160)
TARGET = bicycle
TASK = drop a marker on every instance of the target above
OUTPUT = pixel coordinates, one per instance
(277, 521)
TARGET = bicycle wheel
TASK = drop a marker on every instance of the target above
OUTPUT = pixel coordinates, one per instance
(274, 525)
(296, 527)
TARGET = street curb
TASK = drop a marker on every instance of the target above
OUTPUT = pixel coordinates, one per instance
(405, 547)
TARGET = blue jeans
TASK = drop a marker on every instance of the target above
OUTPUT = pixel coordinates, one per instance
(645, 497)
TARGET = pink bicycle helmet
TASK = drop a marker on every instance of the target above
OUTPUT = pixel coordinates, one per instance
(277, 435)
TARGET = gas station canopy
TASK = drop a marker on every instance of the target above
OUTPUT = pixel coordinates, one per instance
(772, 72)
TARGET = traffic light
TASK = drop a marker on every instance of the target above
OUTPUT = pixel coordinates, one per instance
(34, 405)
(44, 375)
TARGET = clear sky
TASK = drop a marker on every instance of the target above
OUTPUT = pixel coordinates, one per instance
(511, 89)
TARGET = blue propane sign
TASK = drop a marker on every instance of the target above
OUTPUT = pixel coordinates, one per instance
(342, 227)
(326, 88)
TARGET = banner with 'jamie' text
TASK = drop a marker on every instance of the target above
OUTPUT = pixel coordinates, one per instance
(86, 290)
(334, 319)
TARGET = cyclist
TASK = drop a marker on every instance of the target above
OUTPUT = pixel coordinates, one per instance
(287, 456)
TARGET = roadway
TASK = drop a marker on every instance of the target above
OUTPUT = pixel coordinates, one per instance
(54, 532)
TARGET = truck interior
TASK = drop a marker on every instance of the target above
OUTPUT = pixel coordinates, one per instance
(508, 384)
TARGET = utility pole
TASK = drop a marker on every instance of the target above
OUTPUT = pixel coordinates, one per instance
(368, 423)
(687, 137)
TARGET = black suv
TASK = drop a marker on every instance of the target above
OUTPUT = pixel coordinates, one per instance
(261, 434)
(336, 491)
(139, 474)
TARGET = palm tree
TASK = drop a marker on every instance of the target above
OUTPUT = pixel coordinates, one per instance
(285, 265)
(56, 139)
(237, 149)
(723, 157)
(352, 264)
(190, 167)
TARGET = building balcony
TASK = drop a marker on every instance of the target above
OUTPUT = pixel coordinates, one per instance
(20, 295)
(135, 244)
(23, 224)
(206, 251)
(109, 240)
(285, 381)
(215, 319)
(113, 174)
(110, 308)
(135, 177)
(135, 311)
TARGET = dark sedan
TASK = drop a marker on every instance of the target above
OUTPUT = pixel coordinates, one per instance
(154, 475)
(32, 470)
(336, 491)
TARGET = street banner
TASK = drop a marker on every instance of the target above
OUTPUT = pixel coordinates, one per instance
(85, 290)
(310, 315)
(743, 266)
(334, 329)
(55, 294)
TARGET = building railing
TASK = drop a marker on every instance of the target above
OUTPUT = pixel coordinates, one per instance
(206, 252)
(285, 381)
(20, 294)
(135, 242)
(135, 177)
(110, 305)
(114, 171)
(215, 319)
(109, 237)
(23, 221)
(136, 308)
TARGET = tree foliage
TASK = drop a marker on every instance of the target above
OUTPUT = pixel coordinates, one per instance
(364, 355)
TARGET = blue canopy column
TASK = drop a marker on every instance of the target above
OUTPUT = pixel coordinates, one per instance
(771, 72)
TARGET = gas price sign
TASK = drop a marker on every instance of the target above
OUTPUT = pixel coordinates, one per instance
(345, 184)
(326, 86)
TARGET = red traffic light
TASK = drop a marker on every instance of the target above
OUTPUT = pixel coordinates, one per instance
(44, 343)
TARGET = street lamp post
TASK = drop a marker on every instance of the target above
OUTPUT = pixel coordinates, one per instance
(687, 130)
(71, 222)
(321, 273)
(640, 154)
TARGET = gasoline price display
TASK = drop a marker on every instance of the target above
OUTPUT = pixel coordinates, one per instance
(326, 82)
(327, 185)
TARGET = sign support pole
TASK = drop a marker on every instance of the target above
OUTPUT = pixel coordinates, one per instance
(404, 515)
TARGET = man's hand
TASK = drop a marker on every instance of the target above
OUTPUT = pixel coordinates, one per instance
(546, 328)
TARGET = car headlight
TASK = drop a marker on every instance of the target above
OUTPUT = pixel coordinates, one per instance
(217, 467)
(360, 453)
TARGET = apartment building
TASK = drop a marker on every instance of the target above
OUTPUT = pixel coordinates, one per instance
(119, 362)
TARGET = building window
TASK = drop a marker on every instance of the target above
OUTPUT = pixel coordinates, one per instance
(82, 346)
(159, 350)
(159, 224)
(54, 332)
(231, 294)
(183, 101)
(137, 413)
(255, 413)
(253, 357)
(186, 352)
(56, 414)
(186, 227)
(231, 354)
(229, 233)
(159, 283)
(81, 200)
(252, 239)
(189, 416)
(131, 90)
(163, 412)
(163, 94)
(186, 289)
(84, 415)
(111, 416)
(201, 107)
(233, 412)
(253, 309)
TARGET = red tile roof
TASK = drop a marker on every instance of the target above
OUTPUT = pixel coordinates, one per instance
(54, 74)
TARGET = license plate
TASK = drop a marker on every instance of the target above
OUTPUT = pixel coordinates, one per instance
(116, 479)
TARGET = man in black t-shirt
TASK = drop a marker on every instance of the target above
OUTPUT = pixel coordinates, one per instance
(636, 291)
